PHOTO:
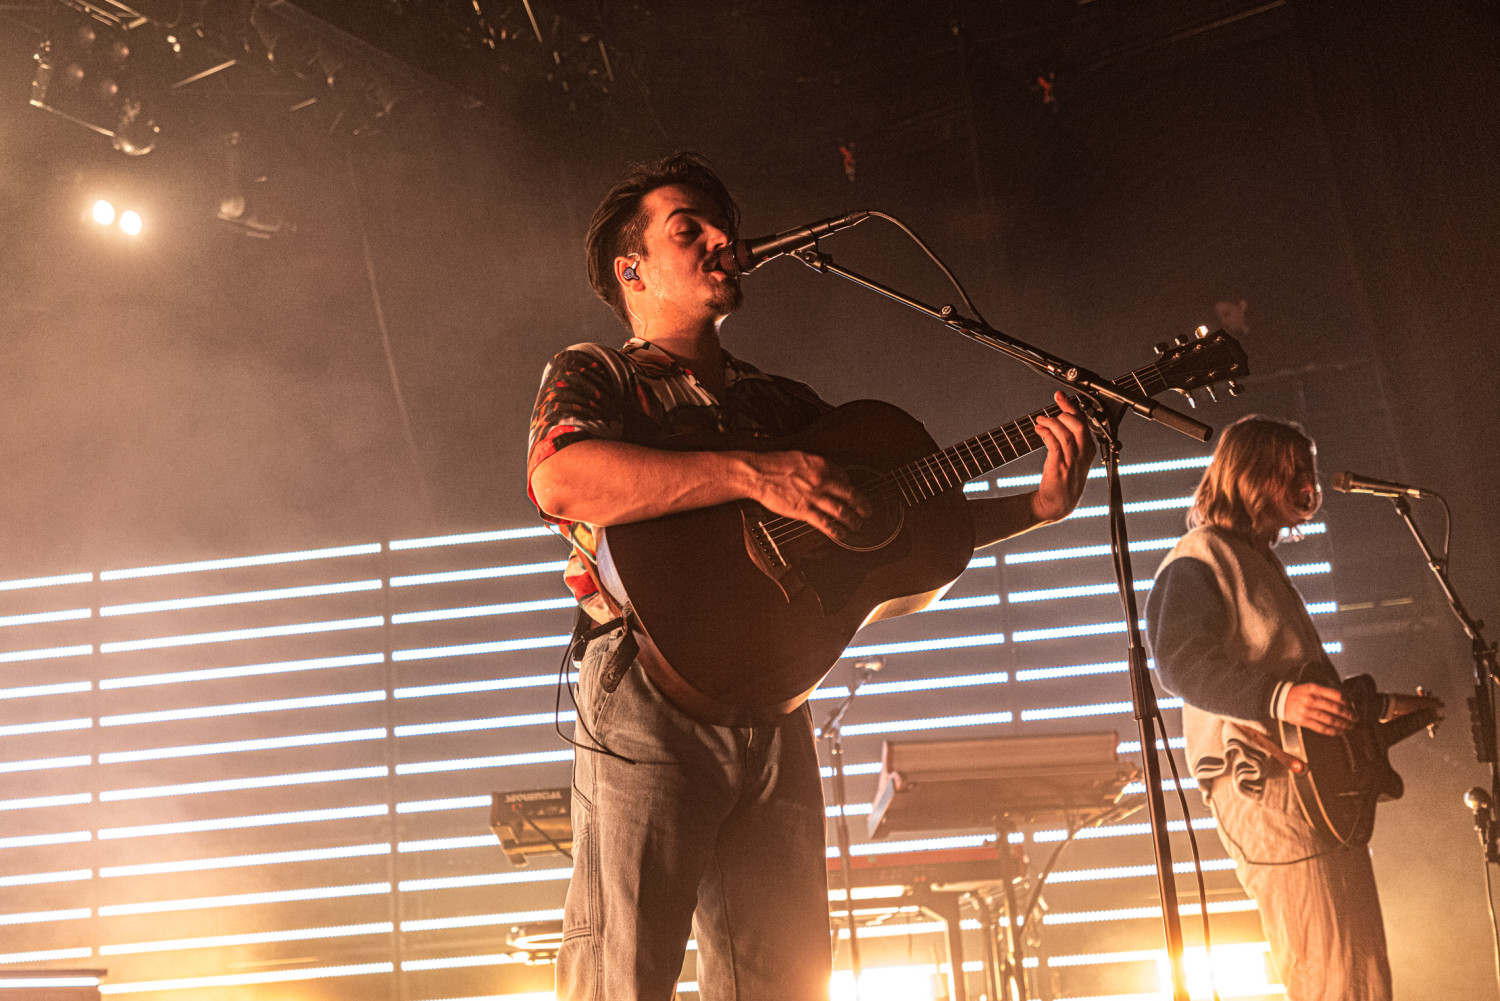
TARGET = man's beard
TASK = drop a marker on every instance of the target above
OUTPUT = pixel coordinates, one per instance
(727, 297)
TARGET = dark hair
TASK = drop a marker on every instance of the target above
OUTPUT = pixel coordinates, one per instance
(619, 225)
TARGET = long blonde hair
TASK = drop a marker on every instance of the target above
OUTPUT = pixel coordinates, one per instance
(1255, 467)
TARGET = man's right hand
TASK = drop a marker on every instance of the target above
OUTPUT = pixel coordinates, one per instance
(809, 488)
(1318, 708)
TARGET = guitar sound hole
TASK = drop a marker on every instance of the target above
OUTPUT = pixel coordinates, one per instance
(885, 524)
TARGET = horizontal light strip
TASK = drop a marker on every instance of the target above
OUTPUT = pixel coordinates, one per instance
(37, 691)
(976, 601)
(1099, 709)
(244, 979)
(1131, 469)
(916, 845)
(241, 597)
(918, 646)
(42, 764)
(45, 955)
(486, 879)
(466, 649)
(852, 810)
(43, 878)
(482, 920)
(38, 802)
(488, 685)
(244, 899)
(240, 823)
(451, 803)
(459, 962)
(917, 685)
(448, 844)
(1135, 507)
(235, 746)
(1333, 647)
(1119, 831)
(1081, 591)
(236, 785)
(48, 726)
(48, 653)
(476, 611)
(977, 487)
(245, 861)
(242, 671)
(478, 573)
(1134, 746)
(981, 563)
(252, 938)
(37, 840)
(1133, 871)
(932, 723)
(52, 981)
(493, 761)
(36, 618)
(245, 708)
(1076, 552)
(501, 535)
(53, 581)
(492, 723)
(1133, 913)
(42, 917)
(232, 635)
(1302, 569)
(1311, 528)
(1322, 607)
(863, 768)
(1167, 785)
(242, 561)
(1070, 671)
(1067, 632)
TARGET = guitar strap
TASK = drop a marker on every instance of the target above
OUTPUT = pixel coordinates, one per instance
(623, 618)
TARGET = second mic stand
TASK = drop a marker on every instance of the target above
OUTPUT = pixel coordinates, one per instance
(833, 732)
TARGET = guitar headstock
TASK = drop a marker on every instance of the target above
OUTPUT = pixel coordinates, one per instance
(1201, 362)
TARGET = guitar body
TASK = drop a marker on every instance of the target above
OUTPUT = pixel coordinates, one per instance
(736, 636)
(1346, 776)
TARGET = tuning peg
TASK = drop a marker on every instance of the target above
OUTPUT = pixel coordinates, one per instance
(1235, 389)
(1183, 341)
(1187, 394)
(1201, 332)
(1161, 348)
(1210, 391)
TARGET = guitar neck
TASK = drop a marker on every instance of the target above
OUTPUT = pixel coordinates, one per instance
(958, 464)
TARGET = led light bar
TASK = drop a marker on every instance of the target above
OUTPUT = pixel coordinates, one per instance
(44, 764)
(236, 746)
(252, 938)
(245, 708)
(237, 785)
(1070, 671)
(469, 649)
(919, 646)
(244, 899)
(931, 723)
(43, 917)
(50, 653)
(501, 535)
(244, 979)
(241, 597)
(1135, 507)
(246, 861)
(1130, 469)
(951, 604)
(1081, 591)
(45, 955)
(482, 920)
(452, 803)
(40, 802)
(1077, 552)
(234, 635)
(41, 691)
(487, 879)
(243, 671)
(1099, 709)
(475, 611)
(44, 878)
(53, 581)
(447, 844)
(488, 685)
(242, 561)
(36, 618)
(492, 761)
(479, 573)
(49, 726)
(1067, 632)
(240, 823)
(492, 723)
(915, 685)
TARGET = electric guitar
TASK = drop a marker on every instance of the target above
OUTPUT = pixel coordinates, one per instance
(740, 613)
(1346, 776)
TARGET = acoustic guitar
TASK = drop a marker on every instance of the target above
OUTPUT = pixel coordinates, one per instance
(1346, 776)
(740, 613)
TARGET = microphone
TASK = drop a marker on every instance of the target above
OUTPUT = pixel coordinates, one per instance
(743, 256)
(1353, 483)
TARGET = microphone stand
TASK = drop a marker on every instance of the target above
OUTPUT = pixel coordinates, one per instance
(1109, 403)
(1482, 705)
(833, 732)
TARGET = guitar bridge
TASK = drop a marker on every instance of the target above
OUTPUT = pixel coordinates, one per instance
(767, 555)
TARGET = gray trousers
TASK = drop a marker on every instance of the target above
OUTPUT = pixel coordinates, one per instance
(716, 832)
(1321, 916)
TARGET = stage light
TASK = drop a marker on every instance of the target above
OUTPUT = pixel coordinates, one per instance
(104, 212)
(1238, 971)
(892, 983)
(130, 222)
(88, 78)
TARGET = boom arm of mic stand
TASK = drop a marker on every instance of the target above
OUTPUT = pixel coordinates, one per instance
(1074, 377)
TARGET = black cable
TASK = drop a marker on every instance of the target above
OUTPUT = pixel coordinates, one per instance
(968, 303)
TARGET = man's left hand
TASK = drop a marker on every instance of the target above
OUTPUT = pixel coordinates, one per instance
(1070, 453)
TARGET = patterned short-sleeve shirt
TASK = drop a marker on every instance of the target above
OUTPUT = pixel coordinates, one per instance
(640, 394)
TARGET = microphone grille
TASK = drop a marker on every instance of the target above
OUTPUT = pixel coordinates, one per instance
(1340, 482)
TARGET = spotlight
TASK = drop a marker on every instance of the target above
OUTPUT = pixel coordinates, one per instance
(103, 212)
(130, 222)
(86, 73)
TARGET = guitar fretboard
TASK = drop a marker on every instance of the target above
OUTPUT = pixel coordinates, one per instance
(958, 464)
